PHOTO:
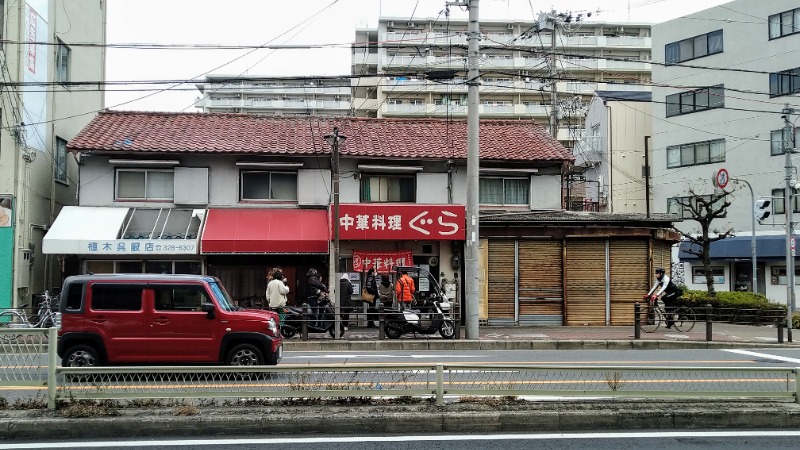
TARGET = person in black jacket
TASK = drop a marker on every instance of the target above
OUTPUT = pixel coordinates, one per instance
(371, 285)
(345, 294)
(314, 289)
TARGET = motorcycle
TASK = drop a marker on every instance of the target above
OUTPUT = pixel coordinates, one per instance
(429, 313)
(323, 322)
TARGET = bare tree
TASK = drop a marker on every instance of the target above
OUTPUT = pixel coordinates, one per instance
(703, 209)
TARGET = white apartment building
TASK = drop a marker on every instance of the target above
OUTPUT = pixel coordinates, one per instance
(41, 112)
(417, 68)
(722, 77)
(303, 96)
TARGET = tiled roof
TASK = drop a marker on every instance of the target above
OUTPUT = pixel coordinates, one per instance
(157, 132)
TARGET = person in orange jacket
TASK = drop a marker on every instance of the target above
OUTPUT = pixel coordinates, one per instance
(405, 288)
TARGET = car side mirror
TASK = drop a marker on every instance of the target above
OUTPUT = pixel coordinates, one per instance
(209, 309)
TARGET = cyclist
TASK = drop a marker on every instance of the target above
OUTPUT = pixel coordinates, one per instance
(666, 289)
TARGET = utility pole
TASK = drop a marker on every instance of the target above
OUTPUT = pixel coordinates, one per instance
(553, 90)
(334, 140)
(472, 251)
(788, 149)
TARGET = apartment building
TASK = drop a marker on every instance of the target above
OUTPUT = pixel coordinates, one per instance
(722, 79)
(417, 68)
(301, 96)
(41, 111)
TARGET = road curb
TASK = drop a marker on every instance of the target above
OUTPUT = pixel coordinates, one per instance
(162, 422)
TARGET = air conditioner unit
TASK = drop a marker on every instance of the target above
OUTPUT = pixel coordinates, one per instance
(390, 23)
(620, 29)
(511, 26)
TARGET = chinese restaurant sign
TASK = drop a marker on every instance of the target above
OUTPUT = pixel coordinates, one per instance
(402, 222)
(381, 261)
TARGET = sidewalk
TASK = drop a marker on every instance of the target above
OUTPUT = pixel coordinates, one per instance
(551, 338)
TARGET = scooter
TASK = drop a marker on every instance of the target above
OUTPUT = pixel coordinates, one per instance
(429, 313)
(323, 323)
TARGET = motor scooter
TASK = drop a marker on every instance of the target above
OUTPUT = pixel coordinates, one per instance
(322, 322)
(430, 312)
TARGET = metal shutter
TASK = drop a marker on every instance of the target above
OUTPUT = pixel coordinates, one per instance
(584, 288)
(501, 282)
(540, 283)
(628, 279)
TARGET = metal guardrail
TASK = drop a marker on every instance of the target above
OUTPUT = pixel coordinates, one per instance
(23, 364)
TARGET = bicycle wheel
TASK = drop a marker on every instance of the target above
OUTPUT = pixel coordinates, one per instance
(650, 321)
(11, 320)
(684, 319)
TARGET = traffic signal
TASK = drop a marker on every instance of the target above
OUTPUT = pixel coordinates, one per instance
(763, 208)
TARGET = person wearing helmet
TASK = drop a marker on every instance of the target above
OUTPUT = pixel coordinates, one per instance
(666, 289)
(314, 290)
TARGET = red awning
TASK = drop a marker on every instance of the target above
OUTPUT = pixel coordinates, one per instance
(265, 231)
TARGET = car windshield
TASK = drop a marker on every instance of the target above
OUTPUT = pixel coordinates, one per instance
(222, 296)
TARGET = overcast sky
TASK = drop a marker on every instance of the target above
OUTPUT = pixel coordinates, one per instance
(257, 22)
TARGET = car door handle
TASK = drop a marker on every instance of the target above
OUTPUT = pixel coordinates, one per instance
(161, 320)
(99, 319)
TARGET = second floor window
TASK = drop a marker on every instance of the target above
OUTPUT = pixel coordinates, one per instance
(696, 153)
(263, 185)
(382, 188)
(145, 184)
(784, 24)
(779, 202)
(504, 191)
(60, 161)
(696, 100)
(62, 63)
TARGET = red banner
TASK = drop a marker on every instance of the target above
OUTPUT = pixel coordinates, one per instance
(381, 261)
(396, 222)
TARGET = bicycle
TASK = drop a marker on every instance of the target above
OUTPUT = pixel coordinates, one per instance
(683, 317)
(18, 318)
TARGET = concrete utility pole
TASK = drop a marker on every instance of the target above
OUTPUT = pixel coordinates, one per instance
(472, 251)
(335, 140)
(553, 90)
(788, 149)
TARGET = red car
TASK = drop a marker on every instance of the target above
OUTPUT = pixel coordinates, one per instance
(165, 319)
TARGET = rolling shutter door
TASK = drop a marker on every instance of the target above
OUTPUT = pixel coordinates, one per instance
(628, 277)
(501, 281)
(662, 255)
(584, 288)
(540, 283)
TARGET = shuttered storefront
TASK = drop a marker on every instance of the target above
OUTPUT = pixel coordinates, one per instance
(628, 277)
(501, 281)
(584, 288)
(540, 283)
(662, 255)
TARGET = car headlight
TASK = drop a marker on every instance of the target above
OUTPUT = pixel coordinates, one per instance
(272, 326)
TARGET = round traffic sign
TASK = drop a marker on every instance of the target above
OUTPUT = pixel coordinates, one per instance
(722, 178)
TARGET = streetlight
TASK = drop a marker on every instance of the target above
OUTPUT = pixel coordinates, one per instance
(335, 140)
(753, 235)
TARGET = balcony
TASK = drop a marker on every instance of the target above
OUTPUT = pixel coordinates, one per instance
(569, 134)
(365, 58)
(535, 110)
(580, 63)
(634, 42)
(625, 65)
(363, 103)
(403, 109)
(578, 41)
(497, 62)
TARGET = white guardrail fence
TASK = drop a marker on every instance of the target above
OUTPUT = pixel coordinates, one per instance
(28, 361)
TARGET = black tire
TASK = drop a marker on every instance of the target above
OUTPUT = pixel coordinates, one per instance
(651, 320)
(245, 355)
(332, 330)
(81, 356)
(447, 330)
(288, 332)
(685, 319)
(391, 332)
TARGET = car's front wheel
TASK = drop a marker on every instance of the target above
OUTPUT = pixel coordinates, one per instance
(245, 355)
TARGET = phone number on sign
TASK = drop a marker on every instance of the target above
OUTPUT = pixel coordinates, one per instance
(182, 248)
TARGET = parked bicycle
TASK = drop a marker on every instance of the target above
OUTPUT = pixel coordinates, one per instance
(46, 316)
(683, 317)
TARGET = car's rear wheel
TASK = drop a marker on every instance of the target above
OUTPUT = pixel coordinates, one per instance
(81, 356)
(245, 355)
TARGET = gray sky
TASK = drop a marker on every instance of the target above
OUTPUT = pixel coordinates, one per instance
(257, 22)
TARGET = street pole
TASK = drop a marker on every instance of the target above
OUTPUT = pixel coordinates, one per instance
(553, 91)
(753, 236)
(472, 252)
(334, 140)
(788, 207)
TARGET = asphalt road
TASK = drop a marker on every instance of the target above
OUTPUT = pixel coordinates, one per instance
(670, 440)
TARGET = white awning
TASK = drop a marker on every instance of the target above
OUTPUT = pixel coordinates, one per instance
(76, 227)
(110, 231)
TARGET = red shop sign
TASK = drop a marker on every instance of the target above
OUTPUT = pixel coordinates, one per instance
(381, 261)
(368, 222)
